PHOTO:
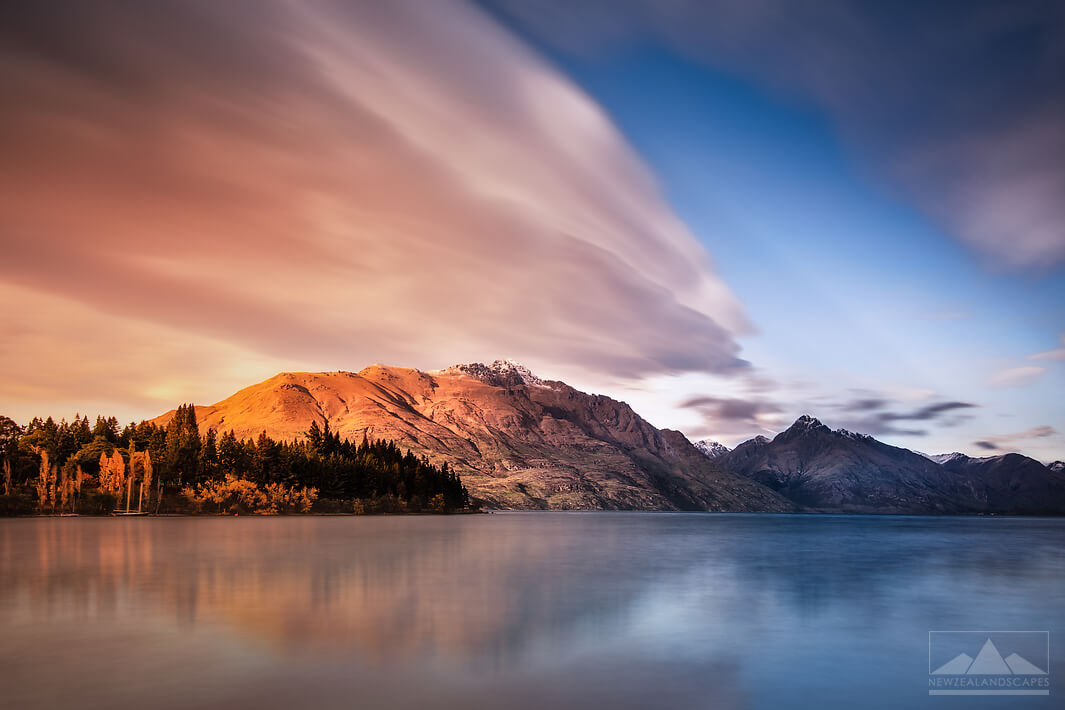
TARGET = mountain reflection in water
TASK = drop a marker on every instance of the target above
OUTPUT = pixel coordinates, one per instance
(508, 610)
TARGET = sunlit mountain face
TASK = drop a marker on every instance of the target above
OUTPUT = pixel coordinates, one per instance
(724, 214)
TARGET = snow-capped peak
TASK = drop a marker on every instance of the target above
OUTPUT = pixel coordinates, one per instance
(502, 373)
(944, 458)
(853, 435)
(712, 449)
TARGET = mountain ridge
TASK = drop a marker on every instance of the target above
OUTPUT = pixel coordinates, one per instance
(522, 442)
(517, 441)
(838, 470)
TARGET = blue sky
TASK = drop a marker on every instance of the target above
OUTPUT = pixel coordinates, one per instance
(855, 291)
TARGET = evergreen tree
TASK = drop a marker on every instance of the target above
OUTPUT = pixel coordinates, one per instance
(182, 446)
(107, 427)
(208, 457)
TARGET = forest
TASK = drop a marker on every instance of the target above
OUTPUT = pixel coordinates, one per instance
(83, 468)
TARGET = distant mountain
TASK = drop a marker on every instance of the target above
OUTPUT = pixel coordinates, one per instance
(822, 469)
(712, 449)
(1017, 482)
(942, 458)
(518, 442)
(1056, 465)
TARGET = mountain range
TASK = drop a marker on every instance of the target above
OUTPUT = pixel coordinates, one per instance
(520, 442)
(517, 441)
(837, 470)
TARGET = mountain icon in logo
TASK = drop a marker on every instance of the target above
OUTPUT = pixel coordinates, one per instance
(988, 662)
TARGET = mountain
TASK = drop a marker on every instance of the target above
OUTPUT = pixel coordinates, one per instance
(942, 458)
(712, 449)
(1056, 465)
(518, 442)
(822, 469)
(1024, 482)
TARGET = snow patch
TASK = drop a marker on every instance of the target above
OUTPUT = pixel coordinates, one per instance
(853, 435)
(501, 373)
(712, 449)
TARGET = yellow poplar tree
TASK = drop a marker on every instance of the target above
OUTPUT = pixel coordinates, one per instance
(146, 472)
(118, 470)
(52, 487)
(42, 482)
(105, 472)
(64, 489)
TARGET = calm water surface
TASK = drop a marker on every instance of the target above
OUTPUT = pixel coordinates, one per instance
(523, 610)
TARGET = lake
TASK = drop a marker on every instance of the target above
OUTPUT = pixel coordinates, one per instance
(514, 610)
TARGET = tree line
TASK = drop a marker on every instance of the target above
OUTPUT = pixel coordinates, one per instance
(97, 467)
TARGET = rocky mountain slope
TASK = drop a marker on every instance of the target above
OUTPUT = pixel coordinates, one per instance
(517, 441)
(822, 469)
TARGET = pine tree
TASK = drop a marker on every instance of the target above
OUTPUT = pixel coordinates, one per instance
(208, 457)
(182, 446)
(314, 435)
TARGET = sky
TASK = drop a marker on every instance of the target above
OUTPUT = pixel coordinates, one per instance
(725, 213)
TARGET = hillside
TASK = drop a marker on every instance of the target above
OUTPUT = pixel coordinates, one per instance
(517, 441)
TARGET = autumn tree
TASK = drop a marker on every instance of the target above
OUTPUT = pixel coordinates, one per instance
(46, 484)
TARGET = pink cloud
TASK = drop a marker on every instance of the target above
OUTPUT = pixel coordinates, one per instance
(1017, 376)
(1058, 354)
(327, 185)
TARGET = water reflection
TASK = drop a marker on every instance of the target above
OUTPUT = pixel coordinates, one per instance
(523, 610)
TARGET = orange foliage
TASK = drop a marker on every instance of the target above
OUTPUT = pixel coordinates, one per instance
(234, 494)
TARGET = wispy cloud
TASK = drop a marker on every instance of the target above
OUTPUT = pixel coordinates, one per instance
(923, 92)
(931, 411)
(331, 184)
(1009, 441)
(732, 418)
(880, 415)
(1017, 376)
(1058, 354)
(868, 413)
(731, 409)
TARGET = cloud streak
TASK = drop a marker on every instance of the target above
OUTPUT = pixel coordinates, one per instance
(1017, 376)
(329, 184)
(1007, 441)
(878, 416)
(1058, 354)
(957, 104)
